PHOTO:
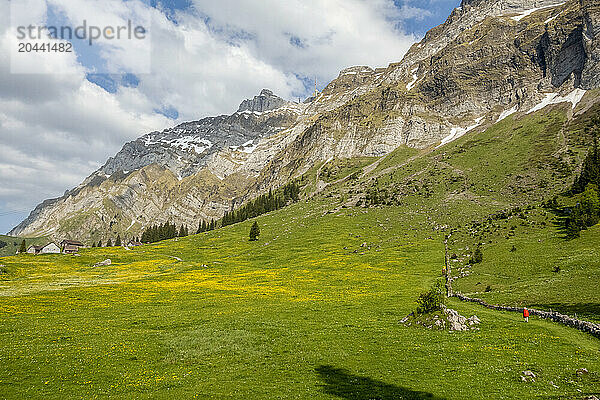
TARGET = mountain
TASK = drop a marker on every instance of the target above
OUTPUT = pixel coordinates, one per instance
(489, 60)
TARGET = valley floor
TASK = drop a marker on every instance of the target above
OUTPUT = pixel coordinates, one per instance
(311, 310)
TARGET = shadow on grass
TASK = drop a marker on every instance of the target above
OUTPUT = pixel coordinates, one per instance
(341, 383)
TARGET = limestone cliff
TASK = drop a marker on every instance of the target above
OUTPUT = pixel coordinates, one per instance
(490, 59)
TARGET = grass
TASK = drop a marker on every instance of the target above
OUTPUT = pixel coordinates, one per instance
(528, 261)
(310, 310)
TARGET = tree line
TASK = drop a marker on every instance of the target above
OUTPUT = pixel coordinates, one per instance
(586, 212)
(263, 204)
(157, 233)
(260, 205)
(206, 226)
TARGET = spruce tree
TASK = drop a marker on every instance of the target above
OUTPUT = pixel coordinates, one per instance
(23, 248)
(99, 243)
(109, 243)
(477, 256)
(590, 170)
(118, 241)
(254, 231)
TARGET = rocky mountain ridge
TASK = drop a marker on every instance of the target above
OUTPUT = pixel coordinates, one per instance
(490, 59)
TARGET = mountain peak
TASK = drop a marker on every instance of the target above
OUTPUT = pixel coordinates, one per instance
(265, 101)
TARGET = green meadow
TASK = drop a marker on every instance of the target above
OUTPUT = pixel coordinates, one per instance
(311, 310)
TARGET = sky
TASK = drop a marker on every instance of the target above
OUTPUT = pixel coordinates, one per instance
(63, 114)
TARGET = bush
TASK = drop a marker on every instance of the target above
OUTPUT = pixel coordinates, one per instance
(431, 300)
(477, 256)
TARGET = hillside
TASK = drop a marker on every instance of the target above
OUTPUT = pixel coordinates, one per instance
(490, 59)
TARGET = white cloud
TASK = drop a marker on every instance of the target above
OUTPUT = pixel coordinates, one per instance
(56, 128)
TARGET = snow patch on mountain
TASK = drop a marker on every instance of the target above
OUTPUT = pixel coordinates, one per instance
(507, 113)
(247, 147)
(529, 12)
(553, 98)
(414, 81)
(457, 132)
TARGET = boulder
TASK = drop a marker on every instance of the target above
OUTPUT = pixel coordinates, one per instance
(103, 263)
(528, 376)
(582, 371)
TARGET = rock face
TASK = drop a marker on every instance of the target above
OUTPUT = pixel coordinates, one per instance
(490, 58)
(188, 147)
(265, 101)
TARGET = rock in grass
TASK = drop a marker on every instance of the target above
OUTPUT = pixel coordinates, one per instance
(103, 263)
(582, 371)
(528, 376)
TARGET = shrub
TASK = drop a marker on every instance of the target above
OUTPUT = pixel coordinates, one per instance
(432, 300)
(477, 256)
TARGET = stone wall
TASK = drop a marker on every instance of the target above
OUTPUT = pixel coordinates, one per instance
(585, 326)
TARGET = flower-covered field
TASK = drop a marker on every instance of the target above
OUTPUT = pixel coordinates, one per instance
(311, 310)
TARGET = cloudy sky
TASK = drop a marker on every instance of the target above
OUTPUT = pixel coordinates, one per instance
(63, 115)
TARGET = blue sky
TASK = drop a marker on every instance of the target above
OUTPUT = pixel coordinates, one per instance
(206, 57)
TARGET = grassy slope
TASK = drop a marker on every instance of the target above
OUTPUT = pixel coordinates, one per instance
(521, 161)
(294, 315)
(526, 275)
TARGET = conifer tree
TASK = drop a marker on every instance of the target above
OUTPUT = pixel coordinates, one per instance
(254, 231)
(99, 243)
(118, 241)
(109, 243)
(590, 170)
(477, 256)
(23, 247)
(183, 231)
(585, 214)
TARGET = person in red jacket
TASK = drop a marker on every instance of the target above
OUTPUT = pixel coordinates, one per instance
(526, 314)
